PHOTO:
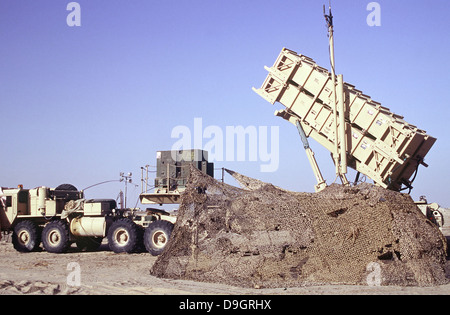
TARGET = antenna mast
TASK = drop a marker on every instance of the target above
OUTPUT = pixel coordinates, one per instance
(339, 154)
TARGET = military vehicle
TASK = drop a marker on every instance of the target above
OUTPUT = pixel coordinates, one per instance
(60, 216)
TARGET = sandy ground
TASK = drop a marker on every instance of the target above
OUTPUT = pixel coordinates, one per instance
(104, 272)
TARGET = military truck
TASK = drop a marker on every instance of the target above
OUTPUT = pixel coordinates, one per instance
(60, 216)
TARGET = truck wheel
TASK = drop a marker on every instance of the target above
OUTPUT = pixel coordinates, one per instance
(156, 236)
(124, 236)
(26, 236)
(88, 244)
(55, 237)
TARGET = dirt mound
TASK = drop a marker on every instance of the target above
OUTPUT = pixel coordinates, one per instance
(264, 236)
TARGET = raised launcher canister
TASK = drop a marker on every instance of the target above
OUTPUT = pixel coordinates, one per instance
(379, 143)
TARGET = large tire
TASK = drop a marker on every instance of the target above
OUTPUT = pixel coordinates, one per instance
(55, 237)
(26, 237)
(124, 236)
(156, 236)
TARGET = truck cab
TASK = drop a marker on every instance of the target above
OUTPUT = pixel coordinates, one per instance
(42, 202)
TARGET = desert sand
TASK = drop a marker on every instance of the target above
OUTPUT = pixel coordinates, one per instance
(104, 272)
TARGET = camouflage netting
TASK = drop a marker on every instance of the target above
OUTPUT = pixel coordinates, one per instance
(265, 236)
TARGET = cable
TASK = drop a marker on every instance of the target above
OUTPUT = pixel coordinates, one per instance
(107, 181)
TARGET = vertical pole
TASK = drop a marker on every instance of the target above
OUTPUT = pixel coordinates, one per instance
(339, 154)
(142, 180)
(146, 178)
(126, 181)
(329, 19)
(342, 133)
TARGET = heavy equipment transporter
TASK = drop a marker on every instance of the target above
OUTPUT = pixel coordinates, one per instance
(60, 216)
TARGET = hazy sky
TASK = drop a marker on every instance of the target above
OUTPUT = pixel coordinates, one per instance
(81, 104)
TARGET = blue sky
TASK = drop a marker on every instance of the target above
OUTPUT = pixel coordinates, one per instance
(81, 104)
